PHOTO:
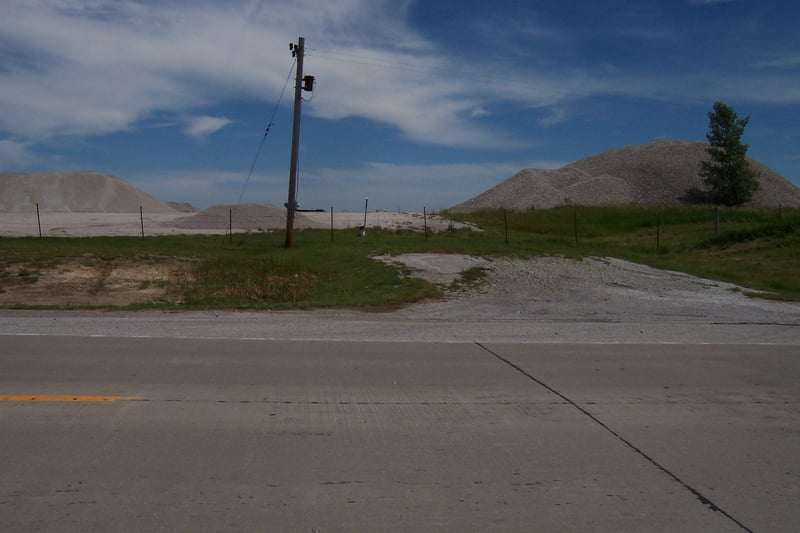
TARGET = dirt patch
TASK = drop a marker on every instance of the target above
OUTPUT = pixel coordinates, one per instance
(90, 281)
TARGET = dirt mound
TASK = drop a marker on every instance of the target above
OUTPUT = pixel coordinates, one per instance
(252, 217)
(183, 207)
(68, 192)
(659, 173)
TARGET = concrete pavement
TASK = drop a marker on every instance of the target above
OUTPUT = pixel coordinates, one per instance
(222, 434)
(404, 325)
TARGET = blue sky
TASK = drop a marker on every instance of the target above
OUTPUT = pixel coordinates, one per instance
(417, 103)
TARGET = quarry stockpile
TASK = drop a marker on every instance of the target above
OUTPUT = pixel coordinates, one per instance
(659, 173)
(74, 192)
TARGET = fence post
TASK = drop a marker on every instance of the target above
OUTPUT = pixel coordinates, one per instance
(331, 223)
(716, 221)
(505, 223)
(141, 220)
(575, 224)
(425, 221)
(39, 220)
(230, 225)
(658, 233)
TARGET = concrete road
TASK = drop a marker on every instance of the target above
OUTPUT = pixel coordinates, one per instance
(112, 433)
(404, 325)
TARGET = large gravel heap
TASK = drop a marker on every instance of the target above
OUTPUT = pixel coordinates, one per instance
(78, 192)
(659, 173)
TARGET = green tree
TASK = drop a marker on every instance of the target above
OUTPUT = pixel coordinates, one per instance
(728, 175)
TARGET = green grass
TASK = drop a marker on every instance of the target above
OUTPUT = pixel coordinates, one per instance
(252, 271)
(755, 248)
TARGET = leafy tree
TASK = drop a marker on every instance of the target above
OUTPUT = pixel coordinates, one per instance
(728, 175)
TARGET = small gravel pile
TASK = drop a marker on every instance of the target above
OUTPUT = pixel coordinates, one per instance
(252, 217)
(659, 173)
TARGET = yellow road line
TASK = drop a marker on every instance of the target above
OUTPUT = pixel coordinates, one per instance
(49, 398)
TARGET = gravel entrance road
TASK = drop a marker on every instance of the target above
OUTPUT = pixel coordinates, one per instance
(592, 289)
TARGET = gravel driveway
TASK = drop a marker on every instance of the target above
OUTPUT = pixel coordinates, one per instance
(592, 289)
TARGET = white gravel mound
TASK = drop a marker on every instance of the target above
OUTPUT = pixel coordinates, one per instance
(659, 173)
(74, 192)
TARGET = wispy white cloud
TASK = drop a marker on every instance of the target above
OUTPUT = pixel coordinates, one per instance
(785, 62)
(425, 108)
(556, 116)
(203, 126)
(84, 69)
(89, 68)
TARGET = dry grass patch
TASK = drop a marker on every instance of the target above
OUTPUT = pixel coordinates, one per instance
(83, 281)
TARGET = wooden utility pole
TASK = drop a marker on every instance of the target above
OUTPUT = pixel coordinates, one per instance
(300, 84)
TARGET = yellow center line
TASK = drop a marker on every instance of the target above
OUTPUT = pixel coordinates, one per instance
(50, 398)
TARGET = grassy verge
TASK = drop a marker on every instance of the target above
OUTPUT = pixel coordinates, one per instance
(754, 248)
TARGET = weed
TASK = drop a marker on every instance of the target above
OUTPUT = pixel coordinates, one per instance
(470, 277)
(29, 276)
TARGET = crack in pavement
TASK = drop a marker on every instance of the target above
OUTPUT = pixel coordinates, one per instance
(695, 492)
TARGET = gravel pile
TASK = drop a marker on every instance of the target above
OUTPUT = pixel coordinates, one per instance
(252, 217)
(74, 192)
(659, 173)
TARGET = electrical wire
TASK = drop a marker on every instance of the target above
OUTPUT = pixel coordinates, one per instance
(266, 132)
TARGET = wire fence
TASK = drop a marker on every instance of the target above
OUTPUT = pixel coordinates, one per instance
(219, 220)
(251, 219)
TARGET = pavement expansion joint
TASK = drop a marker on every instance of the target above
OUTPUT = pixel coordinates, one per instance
(695, 492)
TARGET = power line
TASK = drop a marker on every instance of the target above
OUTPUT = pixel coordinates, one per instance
(266, 132)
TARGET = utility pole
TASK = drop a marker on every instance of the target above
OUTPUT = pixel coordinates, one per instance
(300, 84)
